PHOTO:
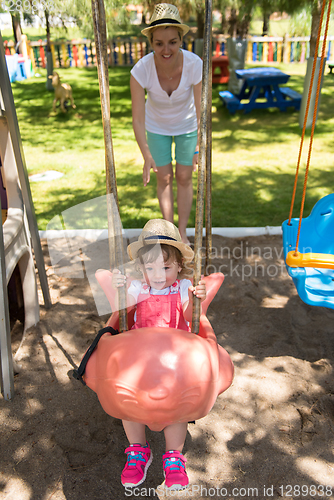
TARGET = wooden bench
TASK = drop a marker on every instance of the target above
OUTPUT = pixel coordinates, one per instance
(231, 101)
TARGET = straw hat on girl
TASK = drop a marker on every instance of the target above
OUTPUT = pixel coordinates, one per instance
(160, 231)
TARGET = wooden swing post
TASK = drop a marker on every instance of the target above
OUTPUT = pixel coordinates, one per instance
(204, 145)
(115, 237)
(208, 177)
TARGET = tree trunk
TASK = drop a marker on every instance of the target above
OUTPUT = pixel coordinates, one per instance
(316, 11)
(224, 23)
(49, 60)
(233, 21)
(200, 23)
(244, 26)
(265, 26)
(48, 35)
(17, 31)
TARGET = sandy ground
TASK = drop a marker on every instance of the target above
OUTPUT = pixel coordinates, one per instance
(270, 435)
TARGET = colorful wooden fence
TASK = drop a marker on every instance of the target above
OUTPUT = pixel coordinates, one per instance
(127, 51)
(277, 49)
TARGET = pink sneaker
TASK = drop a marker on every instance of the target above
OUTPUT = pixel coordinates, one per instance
(175, 470)
(139, 459)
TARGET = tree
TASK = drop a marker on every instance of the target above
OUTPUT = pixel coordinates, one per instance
(148, 7)
(267, 7)
(199, 7)
(59, 12)
(17, 30)
(188, 7)
(245, 11)
(316, 12)
(236, 16)
(291, 6)
(300, 23)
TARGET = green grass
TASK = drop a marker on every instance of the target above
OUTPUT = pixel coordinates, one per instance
(254, 155)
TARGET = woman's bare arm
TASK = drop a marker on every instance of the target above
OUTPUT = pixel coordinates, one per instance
(138, 122)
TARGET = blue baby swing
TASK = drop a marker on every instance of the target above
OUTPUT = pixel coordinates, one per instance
(309, 243)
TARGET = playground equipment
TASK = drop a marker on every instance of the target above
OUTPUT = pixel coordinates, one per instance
(16, 68)
(312, 269)
(177, 378)
(18, 230)
(157, 376)
(20, 65)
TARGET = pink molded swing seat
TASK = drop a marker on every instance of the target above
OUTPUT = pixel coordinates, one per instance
(159, 376)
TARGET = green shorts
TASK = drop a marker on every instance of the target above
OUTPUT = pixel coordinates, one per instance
(161, 148)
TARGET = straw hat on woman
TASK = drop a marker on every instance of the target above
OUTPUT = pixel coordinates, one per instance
(172, 79)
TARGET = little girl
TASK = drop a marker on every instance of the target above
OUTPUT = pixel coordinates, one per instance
(164, 260)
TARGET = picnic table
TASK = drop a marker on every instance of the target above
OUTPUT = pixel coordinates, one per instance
(260, 90)
(330, 66)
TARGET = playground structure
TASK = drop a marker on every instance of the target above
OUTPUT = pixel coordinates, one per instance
(19, 232)
(161, 384)
(312, 268)
(20, 66)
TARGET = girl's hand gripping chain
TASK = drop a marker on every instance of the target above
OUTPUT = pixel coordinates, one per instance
(199, 291)
(118, 279)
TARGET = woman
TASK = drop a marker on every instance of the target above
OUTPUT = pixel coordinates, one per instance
(172, 79)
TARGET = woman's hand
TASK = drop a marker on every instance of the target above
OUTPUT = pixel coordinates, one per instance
(199, 291)
(138, 122)
(149, 163)
(118, 279)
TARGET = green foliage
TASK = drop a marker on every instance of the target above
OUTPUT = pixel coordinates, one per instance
(239, 15)
(300, 23)
(276, 28)
(254, 155)
(117, 16)
(291, 6)
(80, 11)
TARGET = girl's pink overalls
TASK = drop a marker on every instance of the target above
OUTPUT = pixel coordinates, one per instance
(160, 310)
